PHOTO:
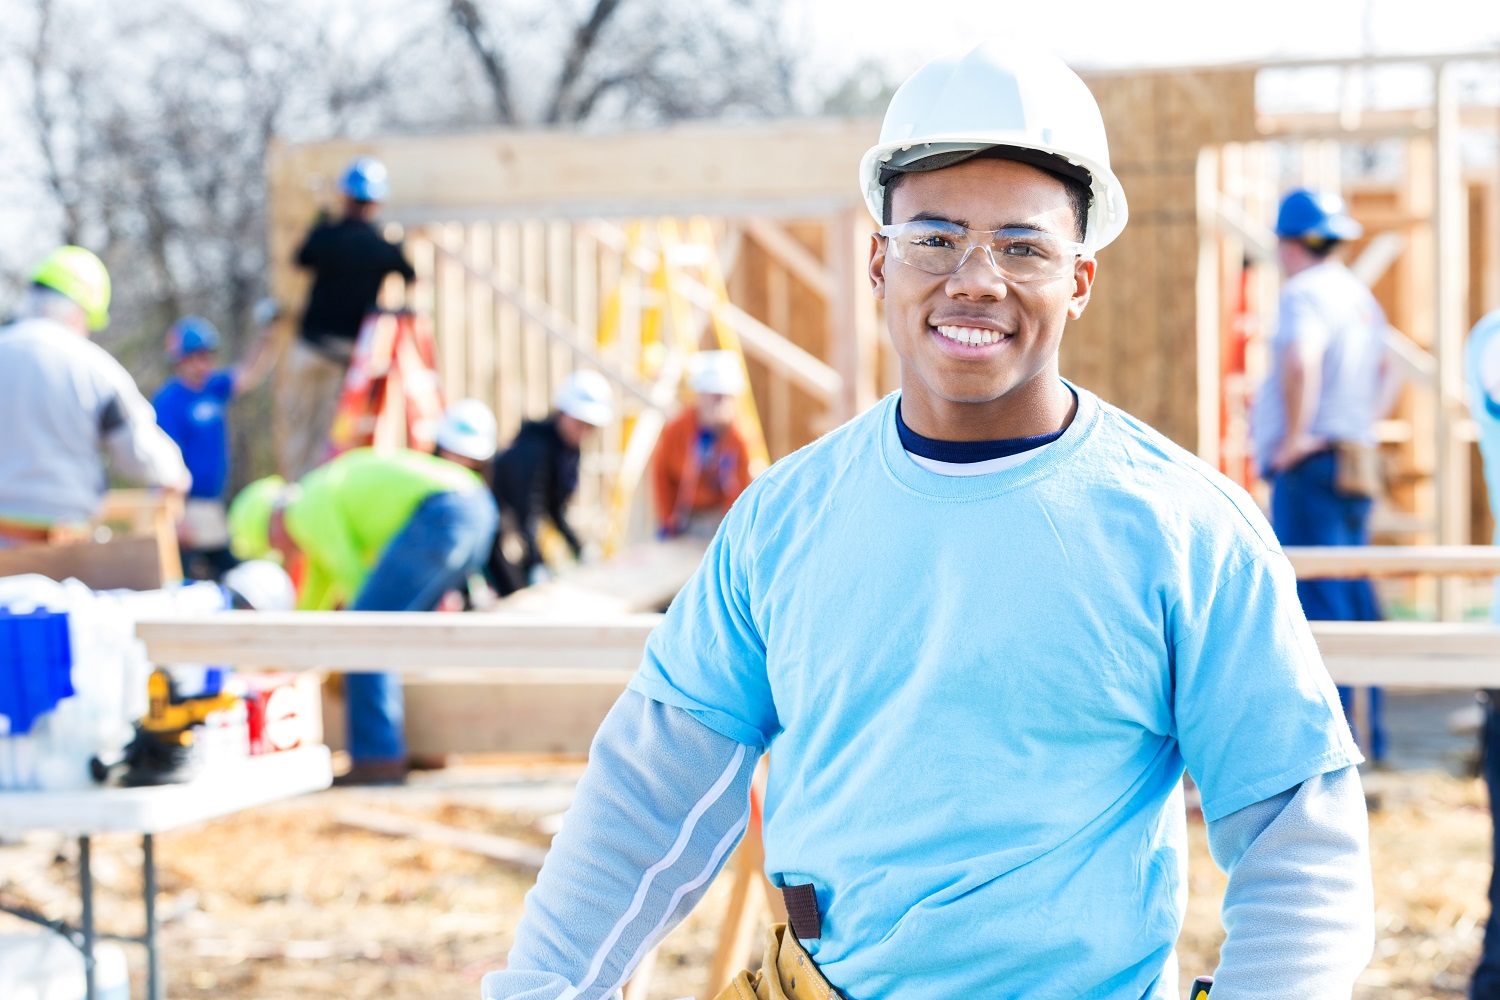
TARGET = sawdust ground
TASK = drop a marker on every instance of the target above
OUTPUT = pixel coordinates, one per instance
(285, 902)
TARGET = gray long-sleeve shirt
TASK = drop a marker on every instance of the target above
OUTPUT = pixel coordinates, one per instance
(64, 403)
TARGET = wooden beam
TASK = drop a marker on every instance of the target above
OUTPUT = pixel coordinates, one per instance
(506, 646)
(766, 345)
(1316, 562)
(1411, 654)
(791, 254)
(504, 649)
(851, 309)
(790, 169)
(1450, 234)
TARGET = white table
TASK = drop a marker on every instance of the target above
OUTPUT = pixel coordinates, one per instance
(218, 791)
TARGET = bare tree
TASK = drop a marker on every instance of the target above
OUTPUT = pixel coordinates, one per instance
(144, 127)
(640, 60)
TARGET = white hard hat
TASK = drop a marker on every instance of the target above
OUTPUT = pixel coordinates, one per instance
(468, 429)
(262, 585)
(1009, 95)
(717, 373)
(585, 395)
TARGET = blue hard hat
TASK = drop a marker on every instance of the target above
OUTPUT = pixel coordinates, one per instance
(365, 180)
(191, 335)
(1318, 214)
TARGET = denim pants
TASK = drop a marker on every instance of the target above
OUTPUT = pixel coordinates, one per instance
(448, 538)
(1486, 982)
(1307, 510)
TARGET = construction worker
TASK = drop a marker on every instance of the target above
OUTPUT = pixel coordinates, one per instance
(1482, 377)
(467, 435)
(982, 627)
(702, 463)
(349, 259)
(537, 475)
(375, 531)
(190, 408)
(1313, 422)
(63, 401)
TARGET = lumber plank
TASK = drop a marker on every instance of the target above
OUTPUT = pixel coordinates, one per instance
(509, 649)
(795, 167)
(641, 578)
(1314, 562)
(488, 845)
(524, 649)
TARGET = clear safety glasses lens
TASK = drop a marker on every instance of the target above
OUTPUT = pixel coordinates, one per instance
(1017, 254)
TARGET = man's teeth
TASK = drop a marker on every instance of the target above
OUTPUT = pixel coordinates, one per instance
(971, 335)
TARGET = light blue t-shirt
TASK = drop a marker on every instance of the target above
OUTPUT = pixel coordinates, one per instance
(1328, 307)
(978, 694)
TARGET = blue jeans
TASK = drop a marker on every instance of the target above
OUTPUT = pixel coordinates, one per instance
(1307, 510)
(1486, 982)
(448, 538)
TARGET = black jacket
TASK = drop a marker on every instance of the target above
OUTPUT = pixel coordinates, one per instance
(349, 260)
(535, 476)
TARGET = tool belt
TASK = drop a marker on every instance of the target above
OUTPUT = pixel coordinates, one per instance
(25, 534)
(786, 973)
(1357, 470)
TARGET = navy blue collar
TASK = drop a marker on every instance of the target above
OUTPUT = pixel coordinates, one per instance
(966, 452)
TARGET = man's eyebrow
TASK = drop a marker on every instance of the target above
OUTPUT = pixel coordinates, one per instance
(937, 217)
(1030, 225)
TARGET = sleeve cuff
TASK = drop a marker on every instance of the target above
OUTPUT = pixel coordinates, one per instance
(1219, 806)
(720, 722)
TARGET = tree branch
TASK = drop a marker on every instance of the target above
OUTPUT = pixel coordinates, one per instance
(585, 37)
(39, 58)
(466, 15)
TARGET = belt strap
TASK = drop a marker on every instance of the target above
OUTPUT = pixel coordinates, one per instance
(802, 911)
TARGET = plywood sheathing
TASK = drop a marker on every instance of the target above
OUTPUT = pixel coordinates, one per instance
(1136, 344)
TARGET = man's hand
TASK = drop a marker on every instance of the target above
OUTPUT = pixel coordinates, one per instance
(1293, 450)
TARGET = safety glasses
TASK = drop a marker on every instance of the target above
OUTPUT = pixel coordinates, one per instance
(1017, 255)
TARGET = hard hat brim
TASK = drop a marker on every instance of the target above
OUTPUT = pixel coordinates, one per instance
(471, 446)
(593, 414)
(1107, 214)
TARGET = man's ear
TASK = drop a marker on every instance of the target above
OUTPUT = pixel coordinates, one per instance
(877, 265)
(1083, 284)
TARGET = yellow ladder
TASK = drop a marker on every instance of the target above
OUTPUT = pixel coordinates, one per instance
(673, 287)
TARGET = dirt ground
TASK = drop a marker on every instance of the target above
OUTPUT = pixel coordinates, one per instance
(287, 902)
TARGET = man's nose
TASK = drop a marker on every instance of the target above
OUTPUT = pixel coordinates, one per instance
(977, 276)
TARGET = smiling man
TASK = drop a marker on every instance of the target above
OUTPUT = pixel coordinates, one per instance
(981, 629)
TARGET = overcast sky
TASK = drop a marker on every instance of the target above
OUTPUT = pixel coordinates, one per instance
(1149, 32)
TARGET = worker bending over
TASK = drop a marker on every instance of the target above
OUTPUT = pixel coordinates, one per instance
(63, 401)
(349, 259)
(537, 475)
(190, 407)
(702, 463)
(981, 628)
(1313, 422)
(376, 532)
(1482, 377)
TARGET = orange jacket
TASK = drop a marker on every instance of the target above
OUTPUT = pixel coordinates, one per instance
(685, 483)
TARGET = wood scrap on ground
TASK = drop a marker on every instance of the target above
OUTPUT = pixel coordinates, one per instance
(489, 845)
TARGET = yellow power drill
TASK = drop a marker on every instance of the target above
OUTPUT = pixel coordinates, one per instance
(164, 749)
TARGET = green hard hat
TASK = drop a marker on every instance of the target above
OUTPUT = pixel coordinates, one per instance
(82, 277)
(250, 518)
